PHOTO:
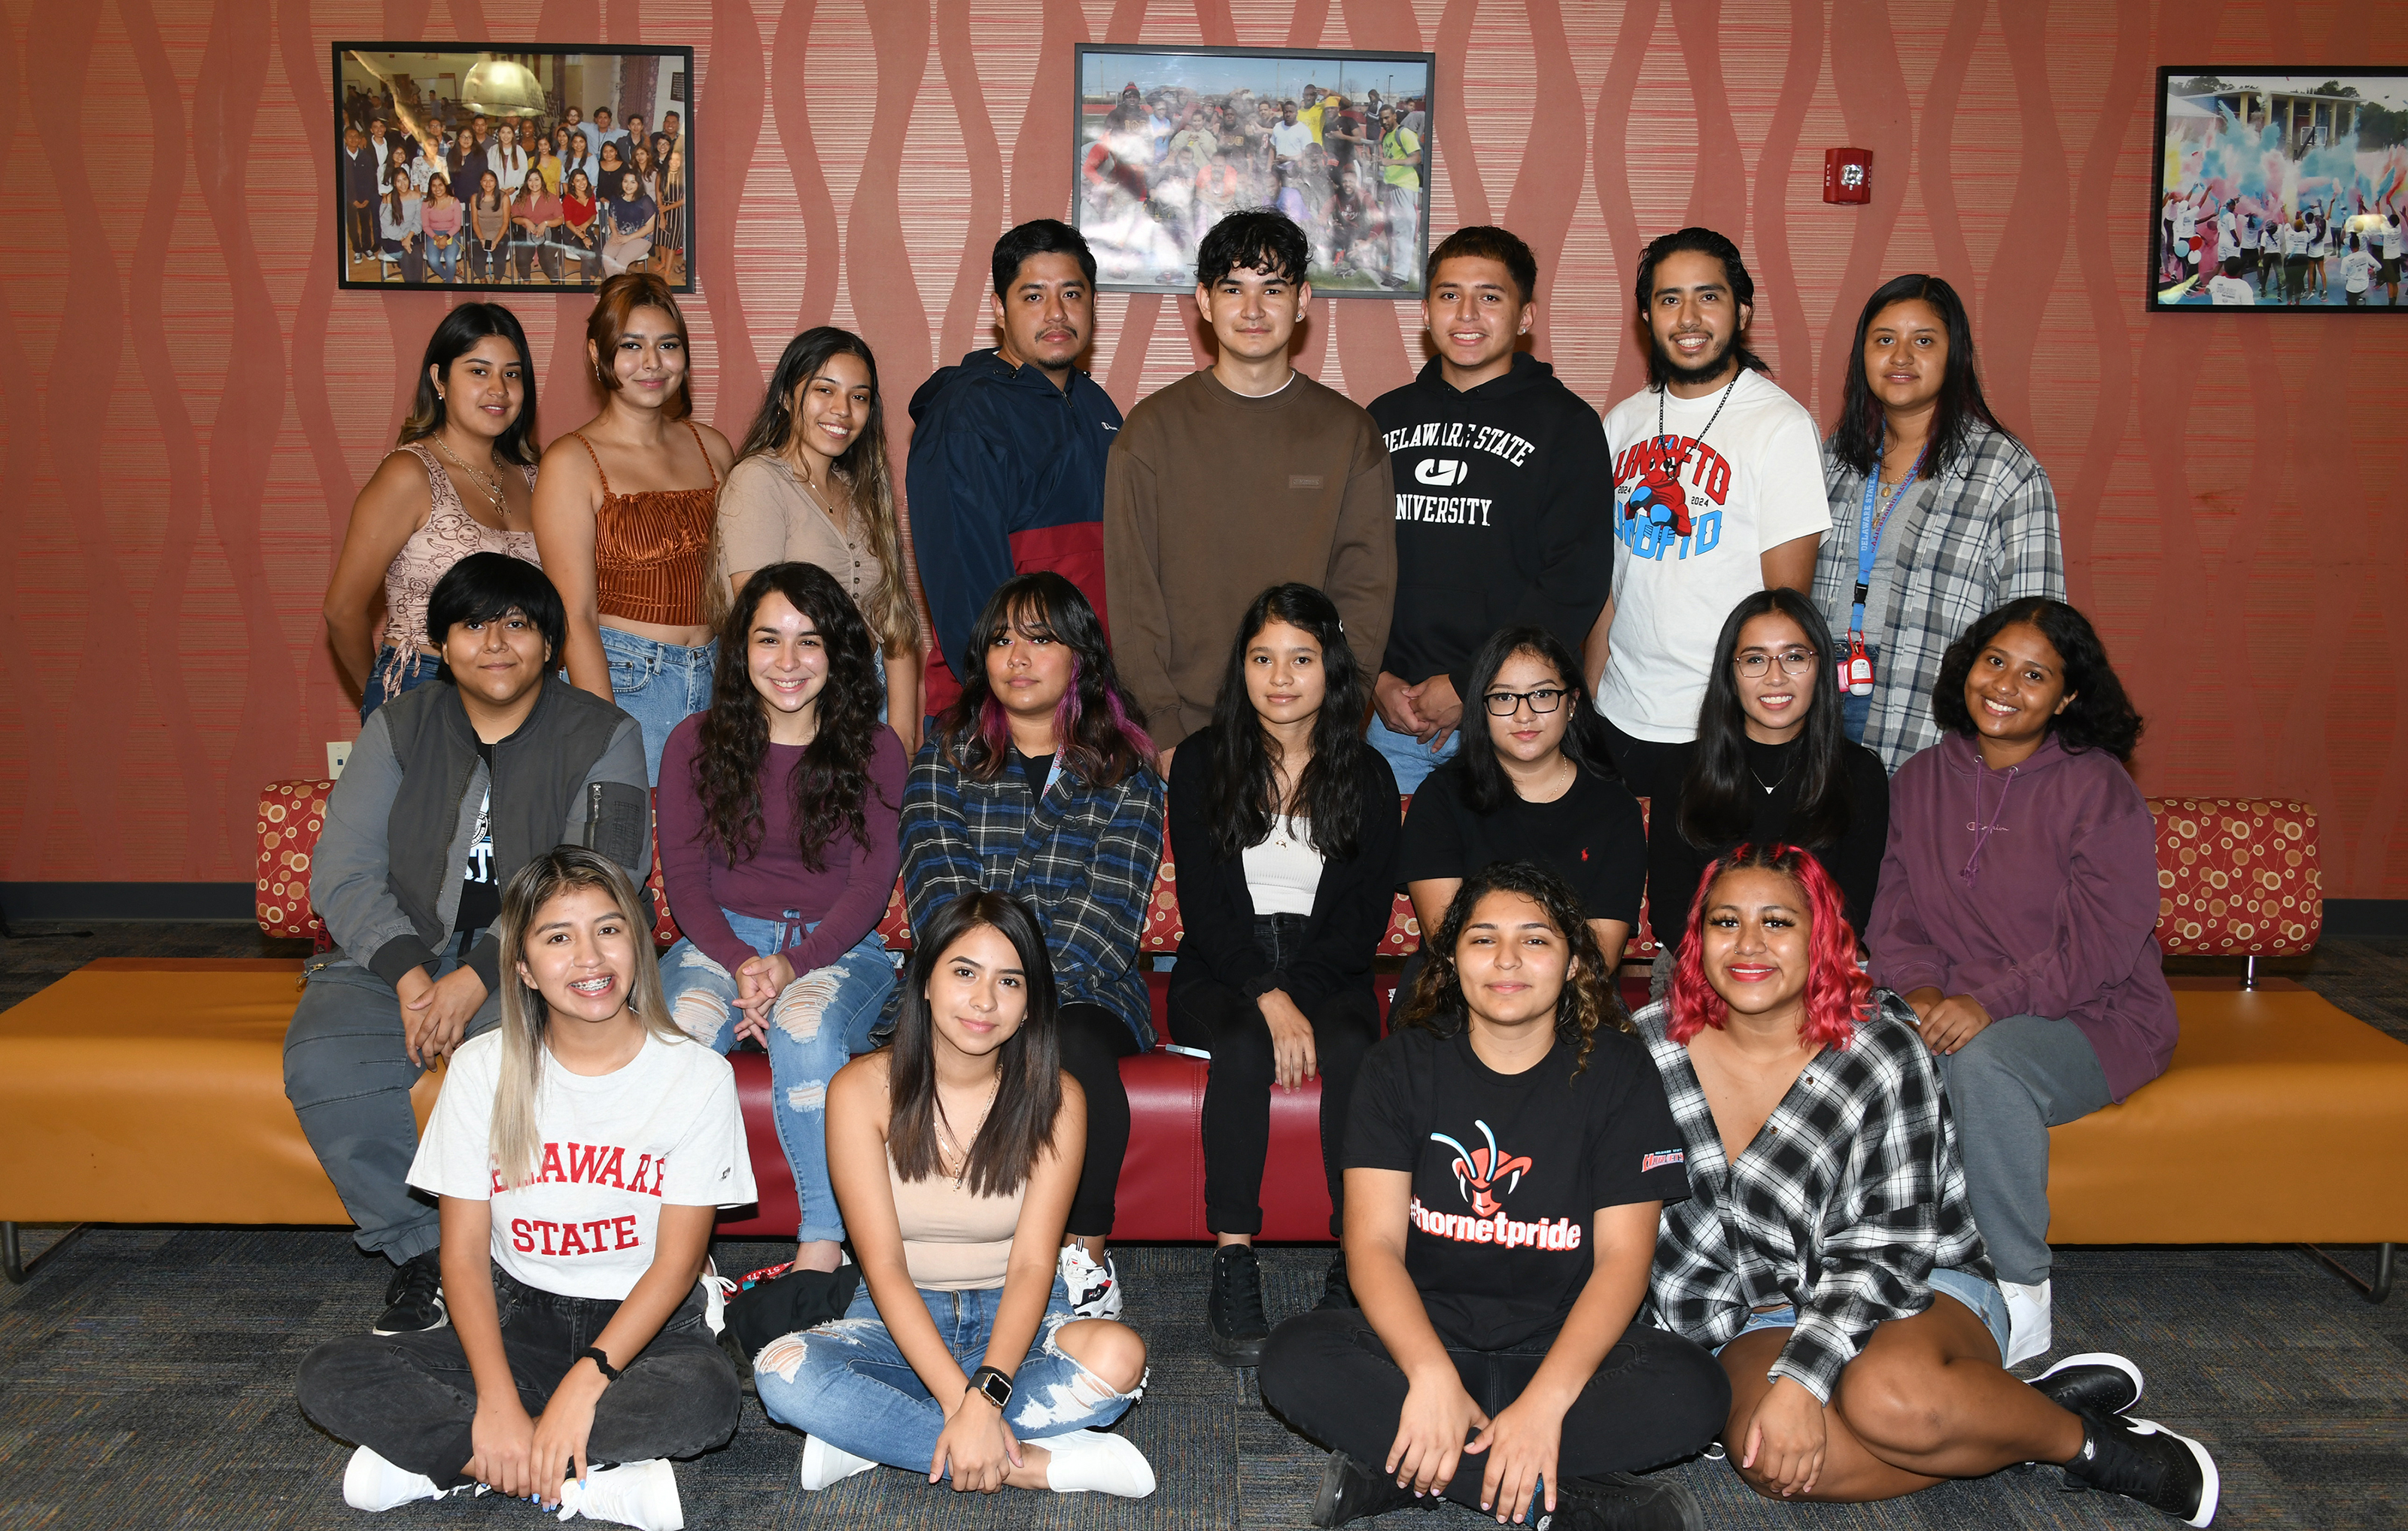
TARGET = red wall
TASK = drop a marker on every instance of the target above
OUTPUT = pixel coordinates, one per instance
(190, 404)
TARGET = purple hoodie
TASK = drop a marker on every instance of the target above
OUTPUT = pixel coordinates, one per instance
(2035, 891)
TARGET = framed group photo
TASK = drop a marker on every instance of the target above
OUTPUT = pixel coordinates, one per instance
(540, 167)
(2282, 188)
(1167, 141)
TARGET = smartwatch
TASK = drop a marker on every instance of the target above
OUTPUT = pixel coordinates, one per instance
(994, 1385)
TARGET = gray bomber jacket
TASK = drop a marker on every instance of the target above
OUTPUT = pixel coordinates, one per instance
(387, 873)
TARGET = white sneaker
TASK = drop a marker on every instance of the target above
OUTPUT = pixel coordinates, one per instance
(2029, 1332)
(371, 1482)
(716, 1290)
(1094, 1288)
(823, 1463)
(1095, 1462)
(643, 1494)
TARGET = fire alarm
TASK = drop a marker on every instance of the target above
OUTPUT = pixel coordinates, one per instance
(1847, 175)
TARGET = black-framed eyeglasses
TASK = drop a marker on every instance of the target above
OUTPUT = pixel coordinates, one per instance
(1793, 662)
(1502, 704)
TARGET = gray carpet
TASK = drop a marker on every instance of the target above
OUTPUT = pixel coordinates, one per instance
(146, 1376)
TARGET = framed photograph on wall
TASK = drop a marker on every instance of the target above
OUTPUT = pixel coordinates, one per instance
(2280, 188)
(543, 165)
(1167, 142)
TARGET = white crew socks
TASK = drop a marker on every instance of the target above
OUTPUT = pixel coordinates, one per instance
(1095, 1462)
(2029, 1332)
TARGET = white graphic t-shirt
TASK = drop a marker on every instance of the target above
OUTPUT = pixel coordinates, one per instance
(665, 1128)
(1685, 553)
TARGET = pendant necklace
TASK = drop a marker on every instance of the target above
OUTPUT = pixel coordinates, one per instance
(945, 1138)
(490, 484)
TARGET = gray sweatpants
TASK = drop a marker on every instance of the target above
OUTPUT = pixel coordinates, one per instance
(2017, 1077)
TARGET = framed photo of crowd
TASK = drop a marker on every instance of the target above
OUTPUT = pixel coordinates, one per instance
(2282, 187)
(540, 167)
(1167, 142)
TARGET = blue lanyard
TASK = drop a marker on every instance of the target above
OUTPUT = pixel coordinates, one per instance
(1868, 533)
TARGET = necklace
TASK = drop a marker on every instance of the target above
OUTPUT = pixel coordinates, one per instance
(945, 1138)
(491, 484)
(1776, 782)
(843, 527)
(1699, 439)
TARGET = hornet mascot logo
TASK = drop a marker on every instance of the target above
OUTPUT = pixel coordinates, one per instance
(1477, 1170)
(1656, 496)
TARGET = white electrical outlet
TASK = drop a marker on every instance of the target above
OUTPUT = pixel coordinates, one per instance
(338, 752)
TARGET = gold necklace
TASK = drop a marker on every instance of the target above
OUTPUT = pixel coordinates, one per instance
(490, 483)
(843, 527)
(945, 1138)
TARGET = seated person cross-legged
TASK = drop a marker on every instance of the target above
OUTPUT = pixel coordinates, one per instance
(779, 807)
(1827, 1251)
(1284, 822)
(955, 1151)
(1508, 1155)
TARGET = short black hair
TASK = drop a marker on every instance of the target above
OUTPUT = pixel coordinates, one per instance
(1487, 242)
(485, 585)
(1256, 239)
(2101, 716)
(1038, 236)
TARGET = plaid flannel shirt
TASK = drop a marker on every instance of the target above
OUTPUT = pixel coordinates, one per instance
(1986, 536)
(1849, 1198)
(1083, 858)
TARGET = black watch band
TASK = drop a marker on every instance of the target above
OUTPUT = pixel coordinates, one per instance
(993, 1384)
(601, 1363)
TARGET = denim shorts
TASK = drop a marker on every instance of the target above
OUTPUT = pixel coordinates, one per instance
(1983, 1297)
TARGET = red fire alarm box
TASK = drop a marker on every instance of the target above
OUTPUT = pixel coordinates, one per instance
(1847, 175)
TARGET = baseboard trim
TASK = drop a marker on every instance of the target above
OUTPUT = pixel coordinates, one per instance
(2366, 916)
(115, 901)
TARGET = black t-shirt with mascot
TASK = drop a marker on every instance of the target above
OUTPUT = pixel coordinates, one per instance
(1508, 1170)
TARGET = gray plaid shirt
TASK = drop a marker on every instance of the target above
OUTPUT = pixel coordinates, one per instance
(1986, 536)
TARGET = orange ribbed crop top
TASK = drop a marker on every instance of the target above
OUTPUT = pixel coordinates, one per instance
(651, 550)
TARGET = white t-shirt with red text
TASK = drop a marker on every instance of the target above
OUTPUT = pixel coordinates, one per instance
(663, 1129)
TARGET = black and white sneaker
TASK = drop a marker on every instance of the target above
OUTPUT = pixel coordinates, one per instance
(1233, 1310)
(1351, 1490)
(2096, 1384)
(1335, 1291)
(414, 1300)
(1620, 1501)
(1094, 1285)
(2141, 1459)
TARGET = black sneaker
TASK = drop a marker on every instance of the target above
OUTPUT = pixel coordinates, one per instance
(2141, 1459)
(1234, 1310)
(1620, 1501)
(2097, 1383)
(415, 1301)
(1351, 1490)
(1335, 1293)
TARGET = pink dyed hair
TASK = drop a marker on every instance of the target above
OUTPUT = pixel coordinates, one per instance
(1839, 994)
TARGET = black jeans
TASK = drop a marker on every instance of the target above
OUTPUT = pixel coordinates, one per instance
(1647, 766)
(1093, 1042)
(412, 1399)
(1208, 1014)
(1656, 1398)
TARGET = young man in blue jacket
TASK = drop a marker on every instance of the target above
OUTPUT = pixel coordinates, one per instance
(1005, 474)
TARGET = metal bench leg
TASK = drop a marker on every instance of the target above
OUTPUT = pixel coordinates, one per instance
(2386, 1257)
(12, 1260)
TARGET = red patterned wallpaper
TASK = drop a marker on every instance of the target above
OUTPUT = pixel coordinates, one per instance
(190, 404)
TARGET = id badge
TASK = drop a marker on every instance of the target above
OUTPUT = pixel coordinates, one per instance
(1857, 671)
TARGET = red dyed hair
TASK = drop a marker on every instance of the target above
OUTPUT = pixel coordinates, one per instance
(1839, 994)
(614, 304)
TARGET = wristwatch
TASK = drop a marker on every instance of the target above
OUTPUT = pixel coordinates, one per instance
(994, 1385)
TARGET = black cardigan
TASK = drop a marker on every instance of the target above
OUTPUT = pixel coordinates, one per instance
(1350, 908)
(1674, 866)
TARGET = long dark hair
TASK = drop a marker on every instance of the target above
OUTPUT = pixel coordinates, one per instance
(1028, 1091)
(1484, 787)
(2100, 717)
(1098, 725)
(1857, 439)
(1241, 790)
(1718, 797)
(831, 781)
(1695, 241)
(457, 336)
(1589, 999)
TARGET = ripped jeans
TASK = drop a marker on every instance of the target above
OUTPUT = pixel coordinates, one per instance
(848, 1383)
(822, 1020)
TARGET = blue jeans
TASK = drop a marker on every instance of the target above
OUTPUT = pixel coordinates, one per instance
(659, 685)
(1983, 1297)
(372, 695)
(1409, 757)
(445, 258)
(1857, 711)
(848, 1383)
(822, 1020)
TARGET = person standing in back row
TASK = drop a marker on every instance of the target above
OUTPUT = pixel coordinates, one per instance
(1245, 475)
(1501, 512)
(1716, 496)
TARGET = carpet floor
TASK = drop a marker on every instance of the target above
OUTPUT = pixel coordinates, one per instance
(146, 1375)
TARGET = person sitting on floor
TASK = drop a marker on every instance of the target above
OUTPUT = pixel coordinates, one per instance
(450, 790)
(955, 1151)
(579, 1154)
(1828, 1217)
(1289, 826)
(1508, 1153)
(2018, 912)
(779, 805)
(1037, 781)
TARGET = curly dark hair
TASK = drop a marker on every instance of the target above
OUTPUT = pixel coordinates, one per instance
(831, 781)
(2100, 717)
(1589, 999)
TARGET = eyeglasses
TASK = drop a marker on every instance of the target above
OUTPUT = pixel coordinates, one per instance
(1793, 662)
(1503, 704)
